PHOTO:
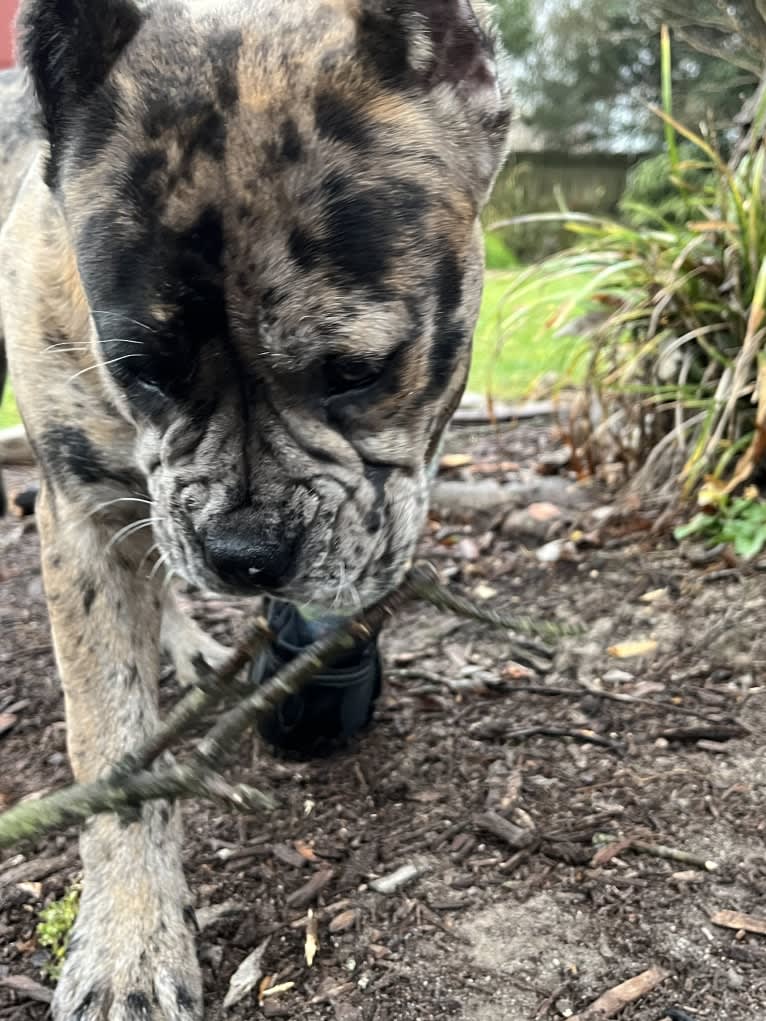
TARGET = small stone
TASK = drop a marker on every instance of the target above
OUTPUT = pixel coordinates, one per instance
(618, 677)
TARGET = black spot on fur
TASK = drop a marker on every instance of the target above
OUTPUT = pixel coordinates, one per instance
(449, 281)
(384, 45)
(377, 475)
(190, 917)
(86, 1002)
(184, 999)
(450, 338)
(87, 599)
(372, 521)
(132, 678)
(143, 182)
(292, 146)
(367, 228)
(443, 358)
(224, 56)
(338, 121)
(94, 125)
(69, 455)
(303, 249)
(139, 1007)
(204, 239)
(208, 136)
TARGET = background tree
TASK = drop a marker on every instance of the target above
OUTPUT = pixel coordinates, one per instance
(586, 69)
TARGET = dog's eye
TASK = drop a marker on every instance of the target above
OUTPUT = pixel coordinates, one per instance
(349, 375)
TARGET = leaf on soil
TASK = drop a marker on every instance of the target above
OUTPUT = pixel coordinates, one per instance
(304, 850)
(628, 650)
(736, 920)
(246, 977)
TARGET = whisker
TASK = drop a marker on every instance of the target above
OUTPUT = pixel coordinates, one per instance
(131, 529)
(120, 499)
(111, 361)
(121, 315)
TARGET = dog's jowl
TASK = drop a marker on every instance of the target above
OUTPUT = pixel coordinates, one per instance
(240, 267)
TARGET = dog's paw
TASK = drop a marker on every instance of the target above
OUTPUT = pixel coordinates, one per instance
(107, 977)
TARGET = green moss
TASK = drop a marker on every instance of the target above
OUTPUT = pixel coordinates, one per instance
(55, 927)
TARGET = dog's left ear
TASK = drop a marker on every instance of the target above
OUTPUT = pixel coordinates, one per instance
(449, 50)
(449, 44)
(69, 48)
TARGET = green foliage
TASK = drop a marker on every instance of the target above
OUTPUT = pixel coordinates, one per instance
(674, 346)
(55, 927)
(9, 414)
(517, 25)
(497, 253)
(739, 522)
(652, 195)
(587, 77)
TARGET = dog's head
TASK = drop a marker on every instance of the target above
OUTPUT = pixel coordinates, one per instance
(274, 207)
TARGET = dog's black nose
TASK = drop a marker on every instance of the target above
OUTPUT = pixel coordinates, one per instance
(247, 556)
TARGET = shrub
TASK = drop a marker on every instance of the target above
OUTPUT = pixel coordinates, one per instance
(673, 355)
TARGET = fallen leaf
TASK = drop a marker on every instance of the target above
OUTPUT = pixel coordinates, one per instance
(246, 976)
(304, 850)
(605, 854)
(311, 948)
(627, 650)
(736, 920)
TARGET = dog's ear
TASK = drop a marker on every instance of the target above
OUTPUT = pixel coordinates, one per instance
(69, 48)
(449, 44)
(440, 41)
(451, 49)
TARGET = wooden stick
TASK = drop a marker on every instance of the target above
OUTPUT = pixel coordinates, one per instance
(618, 998)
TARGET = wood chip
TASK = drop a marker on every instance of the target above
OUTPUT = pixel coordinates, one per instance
(308, 893)
(289, 856)
(343, 922)
(7, 723)
(618, 998)
(393, 882)
(246, 977)
(24, 986)
(736, 920)
(311, 946)
(508, 832)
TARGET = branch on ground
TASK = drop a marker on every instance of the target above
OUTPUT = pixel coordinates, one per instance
(144, 775)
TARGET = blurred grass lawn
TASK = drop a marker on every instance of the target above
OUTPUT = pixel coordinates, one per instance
(509, 366)
(529, 351)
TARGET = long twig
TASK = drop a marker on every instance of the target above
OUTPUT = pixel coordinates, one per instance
(138, 777)
(130, 782)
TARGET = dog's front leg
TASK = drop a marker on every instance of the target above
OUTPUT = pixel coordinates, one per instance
(131, 957)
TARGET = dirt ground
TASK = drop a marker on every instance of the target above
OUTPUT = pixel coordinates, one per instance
(485, 932)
